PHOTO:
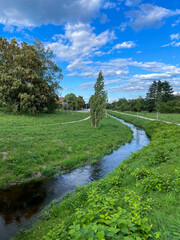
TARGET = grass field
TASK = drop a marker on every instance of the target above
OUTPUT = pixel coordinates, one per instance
(140, 200)
(169, 117)
(32, 149)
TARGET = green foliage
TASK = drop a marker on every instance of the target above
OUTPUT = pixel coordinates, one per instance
(98, 101)
(103, 218)
(73, 102)
(28, 77)
(80, 101)
(157, 182)
(158, 92)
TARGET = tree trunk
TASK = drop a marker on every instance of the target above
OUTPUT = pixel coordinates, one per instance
(95, 120)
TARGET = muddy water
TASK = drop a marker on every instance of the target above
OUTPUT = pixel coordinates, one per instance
(20, 205)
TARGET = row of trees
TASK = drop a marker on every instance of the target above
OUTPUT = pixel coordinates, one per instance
(29, 78)
(159, 98)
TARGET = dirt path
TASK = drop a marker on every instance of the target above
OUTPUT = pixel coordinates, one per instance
(77, 120)
(151, 119)
(53, 124)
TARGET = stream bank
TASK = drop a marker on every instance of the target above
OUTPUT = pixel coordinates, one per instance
(21, 205)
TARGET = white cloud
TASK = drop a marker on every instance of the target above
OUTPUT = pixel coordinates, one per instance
(90, 85)
(87, 85)
(149, 15)
(109, 4)
(172, 44)
(123, 26)
(104, 18)
(150, 66)
(112, 4)
(79, 41)
(110, 82)
(176, 23)
(152, 76)
(127, 83)
(175, 43)
(131, 3)
(8, 28)
(129, 44)
(128, 87)
(175, 36)
(31, 13)
(120, 68)
(176, 93)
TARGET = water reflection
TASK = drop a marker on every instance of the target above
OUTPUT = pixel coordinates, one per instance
(19, 205)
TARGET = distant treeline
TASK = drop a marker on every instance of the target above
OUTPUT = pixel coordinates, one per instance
(159, 98)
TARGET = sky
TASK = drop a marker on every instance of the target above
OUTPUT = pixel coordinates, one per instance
(133, 42)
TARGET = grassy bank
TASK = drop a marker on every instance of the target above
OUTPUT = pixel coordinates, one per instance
(169, 117)
(32, 149)
(139, 200)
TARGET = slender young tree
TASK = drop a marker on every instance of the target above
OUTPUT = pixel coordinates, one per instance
(98, 101)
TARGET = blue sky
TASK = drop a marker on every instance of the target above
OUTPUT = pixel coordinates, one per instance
(132, 41)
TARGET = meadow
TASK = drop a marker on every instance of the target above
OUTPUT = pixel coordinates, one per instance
(169, 117)
(36, 147)
(139, 200)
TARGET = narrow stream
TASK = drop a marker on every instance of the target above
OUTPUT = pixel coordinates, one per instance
(20, 205)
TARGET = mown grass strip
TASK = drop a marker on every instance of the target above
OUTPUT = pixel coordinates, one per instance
(35, 152)
(169, 117)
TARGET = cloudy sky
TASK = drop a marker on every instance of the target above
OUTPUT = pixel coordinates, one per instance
(132, 41)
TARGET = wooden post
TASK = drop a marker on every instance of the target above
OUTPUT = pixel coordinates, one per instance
(157, 115)
(95, 119)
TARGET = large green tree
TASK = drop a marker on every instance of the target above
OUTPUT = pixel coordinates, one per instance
(73, 102)
(80, 102)
(49, 72)
(162, 88)
(98, 101)
(158, 90)
(70, 99)
(26, 81)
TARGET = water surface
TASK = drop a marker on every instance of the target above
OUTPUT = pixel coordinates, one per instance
(20, 205)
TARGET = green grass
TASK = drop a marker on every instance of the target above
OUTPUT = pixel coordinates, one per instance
(36, 150)
(169, 117)
(137, 201)
(10, 120)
